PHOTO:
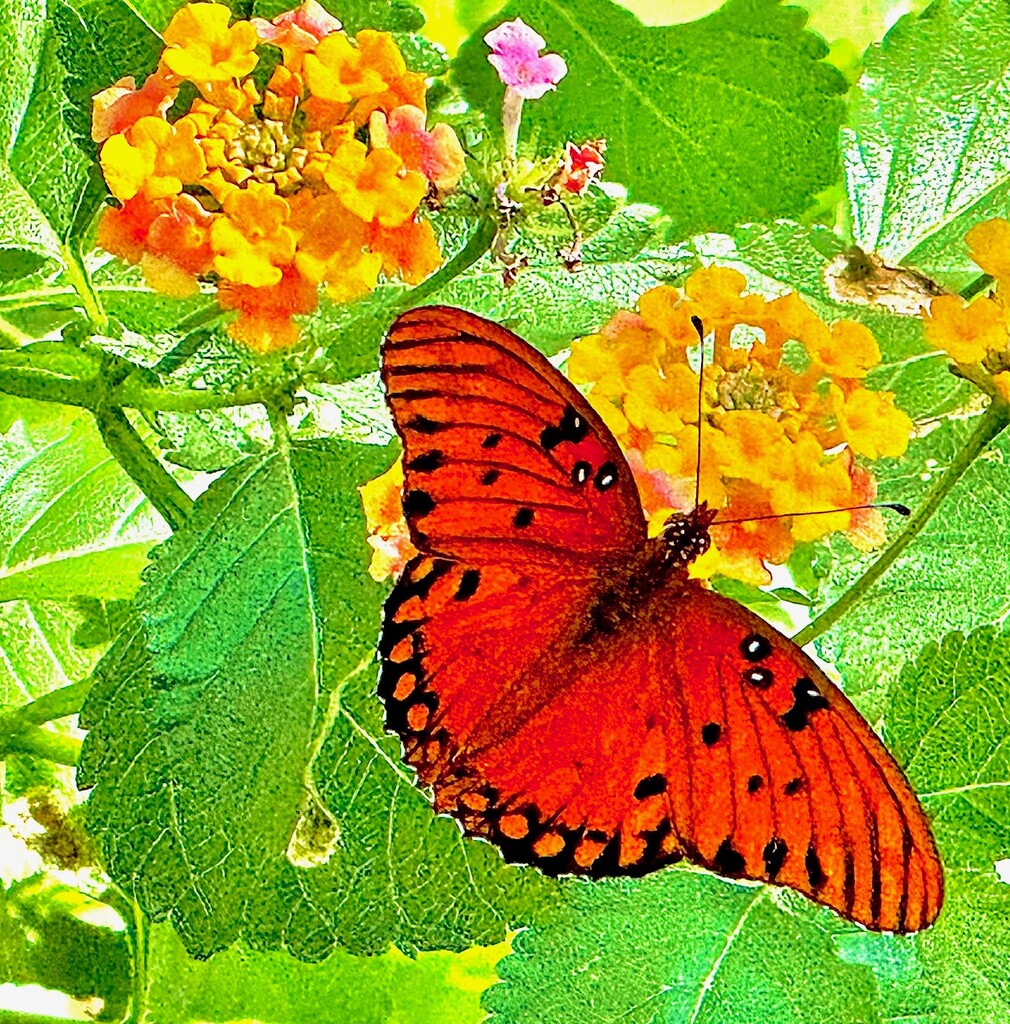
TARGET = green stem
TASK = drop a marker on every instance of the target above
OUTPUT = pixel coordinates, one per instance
(143, 467)
(478, 244)
(36, 742)
(135, 394)
(979, 284)
(59, 703)
(85, 288)
(993, 421)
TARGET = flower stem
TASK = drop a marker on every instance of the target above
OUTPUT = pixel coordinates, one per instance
(993, 421)
(129, 450)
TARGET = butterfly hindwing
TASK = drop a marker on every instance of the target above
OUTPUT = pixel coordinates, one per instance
(502, 456)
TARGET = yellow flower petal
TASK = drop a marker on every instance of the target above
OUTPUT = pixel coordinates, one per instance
(966, 332)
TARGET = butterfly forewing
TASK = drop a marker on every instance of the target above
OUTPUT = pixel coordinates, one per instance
(579, 714)
(502, 456)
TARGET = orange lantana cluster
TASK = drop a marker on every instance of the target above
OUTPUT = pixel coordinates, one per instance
(785, 413)
(977, 334)
(314, 180)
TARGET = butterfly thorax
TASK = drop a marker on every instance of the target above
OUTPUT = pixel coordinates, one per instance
(663, 561)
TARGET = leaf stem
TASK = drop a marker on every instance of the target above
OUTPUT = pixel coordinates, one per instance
(58, 703)
(85, 288)
(143, 467)
(42, 743)
(993, 421)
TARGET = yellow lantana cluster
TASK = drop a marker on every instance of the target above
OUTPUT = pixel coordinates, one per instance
(314, 180)
(977, 334)
(785, 413)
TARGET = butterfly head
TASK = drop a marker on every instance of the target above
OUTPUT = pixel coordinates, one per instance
(685, 535)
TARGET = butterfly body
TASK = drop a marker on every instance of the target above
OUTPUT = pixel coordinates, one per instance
(570, 694)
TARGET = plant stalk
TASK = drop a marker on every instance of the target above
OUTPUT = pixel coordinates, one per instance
(143, 467)
(993, 421)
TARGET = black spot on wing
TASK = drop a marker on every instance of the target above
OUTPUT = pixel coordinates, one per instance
(523, 517)
(710, 734)
(806, 700)
(651, 785)
(792, 787)
(729, 861)
(418, 503)
(581, 472)
(490, 477)
(491, 441)
(815, 872)
(754, 783)
(571, 427)
(606, 476)
(423, 425)
(762, 678)
(774, 855)
(468, 584)
(427, 462)
(755, 647)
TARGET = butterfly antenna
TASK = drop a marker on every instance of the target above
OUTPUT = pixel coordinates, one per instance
(894, 506)
(696, 322)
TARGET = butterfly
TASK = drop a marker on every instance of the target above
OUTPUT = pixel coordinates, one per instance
(569, 694)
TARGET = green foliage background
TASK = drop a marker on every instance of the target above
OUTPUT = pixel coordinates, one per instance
(203, 819)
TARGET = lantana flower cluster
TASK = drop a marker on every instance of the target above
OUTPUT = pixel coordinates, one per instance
(785, 416)
(976, 334)
(314, 180)
(788, 423)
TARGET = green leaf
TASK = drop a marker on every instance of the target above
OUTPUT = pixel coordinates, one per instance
(926, 138)
(952, 576)
(965, 952)
(431, 988)
(71, 523)
(100, 41)
(550, 306)
(948, 722)
(246, 754)
(679, 946)
(728, 119)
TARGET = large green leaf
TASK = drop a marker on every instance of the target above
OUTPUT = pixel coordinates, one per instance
(679, 947)
(948, 721)
(431, 988)
(731, 118)
(71, 524)
(925, 146)
(245, 787)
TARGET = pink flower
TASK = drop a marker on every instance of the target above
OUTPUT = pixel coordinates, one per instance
(582, 165)
(516, 57)
(299, 31)
(436, 154)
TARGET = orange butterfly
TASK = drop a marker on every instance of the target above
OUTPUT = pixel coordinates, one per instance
(572, 696)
